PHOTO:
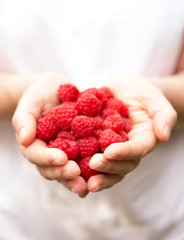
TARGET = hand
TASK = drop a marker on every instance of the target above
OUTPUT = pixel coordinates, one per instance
(153, 119)
(52, 163)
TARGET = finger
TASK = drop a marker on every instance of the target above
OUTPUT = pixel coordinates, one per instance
(68, 171)
(84, 194)
(163, 114)
(76, 185)
(38, 153)
(33, 104)
(163, 122)
(100, 163)
(25, 118)
(102, 181)
(138, 146)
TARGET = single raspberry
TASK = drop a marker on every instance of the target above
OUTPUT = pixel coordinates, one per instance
(108, 112)
(71, 148)
(64, 114)
(124, 136)
(88, 105)
(67, 92)
(127, 125)
(46, 129)
(86, 171)
(66, 135)
(103, 95)
(97, 133)
(82, 126)
(97, 122)
(117, 105)
(88, 146)
(93, 91)
(107, 137)
(104, 92)
(113, 122)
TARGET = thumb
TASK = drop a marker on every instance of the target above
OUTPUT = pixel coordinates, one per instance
(25, 127)
(164, 117)
(163, 122)
(25, 119)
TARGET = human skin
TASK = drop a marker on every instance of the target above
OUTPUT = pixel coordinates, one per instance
(152, 115)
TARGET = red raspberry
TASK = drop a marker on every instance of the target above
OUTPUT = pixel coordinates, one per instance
(71, 148)
(117, 105)
(64, 114)
(104, 94)
(93, 91)
(124, 136)
(46, 129)
(97, 122)
(67, 92)
(66, 135)
(86, 171)
(108, 137)
(97, 132)
(127, 125)
(82, 126)
(88, 146)
(113, 122)
(88, 105)
(108, 112)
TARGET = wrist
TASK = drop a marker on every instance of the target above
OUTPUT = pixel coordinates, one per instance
(12, 88)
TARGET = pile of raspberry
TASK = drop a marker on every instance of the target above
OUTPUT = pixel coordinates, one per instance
(84, 123)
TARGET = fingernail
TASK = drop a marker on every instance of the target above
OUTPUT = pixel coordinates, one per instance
(59, 158)
(96, 162)
(167, 131)
(97, 188)
(73, 190)
(109, 154)
(67, 175)
(58, 162)
(22, 133)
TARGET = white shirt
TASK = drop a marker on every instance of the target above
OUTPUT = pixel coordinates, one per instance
(90, 41)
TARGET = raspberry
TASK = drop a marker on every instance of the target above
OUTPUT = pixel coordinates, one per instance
(97, 122)
(117, 105)
(104, 94)
(88, 105)
(108, 112)
(46, 129)
(88, 146)
(113, 122)
(71, 148)
(66, 135)
(108, 137)
(64, 114)
(97, 132)
(67, 92)
(124, 136)
(82, 126)
(86, 171)
(127, 125)
(93, 91)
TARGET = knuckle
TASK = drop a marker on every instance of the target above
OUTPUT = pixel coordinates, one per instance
(57, 173)
(43, 173)
(115, 179)
(175, 116)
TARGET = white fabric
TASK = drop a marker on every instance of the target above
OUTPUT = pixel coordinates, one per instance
(90, 41)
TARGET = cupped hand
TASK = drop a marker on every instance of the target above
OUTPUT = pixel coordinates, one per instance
(52, 163)
(153, 118)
